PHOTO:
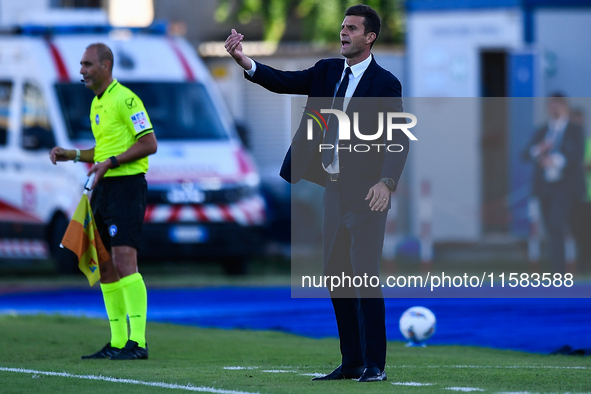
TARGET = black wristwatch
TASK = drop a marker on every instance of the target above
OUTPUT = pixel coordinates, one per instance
(390, 183)
(114, 162)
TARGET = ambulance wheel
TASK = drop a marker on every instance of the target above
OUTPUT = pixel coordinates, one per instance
(235, 266)
(66, 262)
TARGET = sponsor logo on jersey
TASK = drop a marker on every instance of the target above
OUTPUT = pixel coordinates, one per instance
(96, 119)
(113, 230)
(140, 121)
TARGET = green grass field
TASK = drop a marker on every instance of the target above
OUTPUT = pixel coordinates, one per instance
(196, 359)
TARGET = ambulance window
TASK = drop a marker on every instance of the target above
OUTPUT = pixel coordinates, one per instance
(37, 133)
(177, 110)
(5, 94)
(75, 101)
(180, 111)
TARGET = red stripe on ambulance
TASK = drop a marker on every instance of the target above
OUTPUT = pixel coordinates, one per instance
(23, 248)
(10, 213)
(245, 213)
(58, 61)
(189, 76)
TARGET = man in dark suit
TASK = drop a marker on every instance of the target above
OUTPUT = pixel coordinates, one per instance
(357, 185)
(558, 150)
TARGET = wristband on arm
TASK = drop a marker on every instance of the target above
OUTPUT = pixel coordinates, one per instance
(114, 162)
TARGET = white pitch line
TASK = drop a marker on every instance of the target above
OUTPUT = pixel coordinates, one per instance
(239, 368)
(465, 389)
(489, 366)
(314, 375)
(129, 381)
(277, 371)
(412, 384)
(515, 392)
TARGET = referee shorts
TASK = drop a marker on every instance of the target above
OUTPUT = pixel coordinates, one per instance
(119, 205)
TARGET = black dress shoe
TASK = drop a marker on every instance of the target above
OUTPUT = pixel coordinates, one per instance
(373, 374)
(106, 352)
(340, 373)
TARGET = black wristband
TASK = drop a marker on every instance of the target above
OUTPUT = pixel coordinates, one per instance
(114, 162)
(389, 182)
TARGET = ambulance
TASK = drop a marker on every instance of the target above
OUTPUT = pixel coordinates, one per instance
(204, 198)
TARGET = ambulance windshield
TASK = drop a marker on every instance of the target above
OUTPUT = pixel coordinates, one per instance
(178, 111)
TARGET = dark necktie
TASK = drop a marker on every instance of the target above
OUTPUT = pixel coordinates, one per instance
(333, 123)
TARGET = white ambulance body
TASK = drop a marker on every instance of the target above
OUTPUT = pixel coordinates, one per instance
(203, 187)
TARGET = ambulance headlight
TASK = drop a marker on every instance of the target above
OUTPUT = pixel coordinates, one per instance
(249, 186)
(180, 196)
(187, 193)
(252, 180)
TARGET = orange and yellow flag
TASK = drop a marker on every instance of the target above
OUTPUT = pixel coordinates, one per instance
(82, 238)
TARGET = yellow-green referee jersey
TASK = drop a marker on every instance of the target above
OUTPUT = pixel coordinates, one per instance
(118, 119)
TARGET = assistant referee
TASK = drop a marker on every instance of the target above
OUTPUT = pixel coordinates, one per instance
(124, 140)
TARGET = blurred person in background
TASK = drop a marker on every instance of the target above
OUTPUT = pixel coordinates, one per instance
(557, 150)
(582, 212)
(124, 140)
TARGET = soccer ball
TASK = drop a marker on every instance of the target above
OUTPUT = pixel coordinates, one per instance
(417, 324)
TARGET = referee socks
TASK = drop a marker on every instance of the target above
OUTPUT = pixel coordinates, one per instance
(136, 302)
(116, 311)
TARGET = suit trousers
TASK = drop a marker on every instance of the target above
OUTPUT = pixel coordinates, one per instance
(352, 248)
(581, 227)
(556, 209)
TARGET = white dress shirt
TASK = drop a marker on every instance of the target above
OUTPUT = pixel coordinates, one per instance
(357, 71)
(554, 136)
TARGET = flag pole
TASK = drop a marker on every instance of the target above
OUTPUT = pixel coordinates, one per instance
(87, 189)
(88, 183)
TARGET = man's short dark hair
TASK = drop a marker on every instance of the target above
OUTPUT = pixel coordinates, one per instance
(371, 19)
(558, 97)
(103, 52)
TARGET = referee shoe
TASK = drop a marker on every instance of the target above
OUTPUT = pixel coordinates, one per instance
(106, 352)
(131, 351)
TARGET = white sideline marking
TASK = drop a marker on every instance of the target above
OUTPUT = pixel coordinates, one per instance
(130, 381)
(515, 392)
(239, 368)
(466, 389)
(277, 370)
(412, 384)
(314, 375)
(489, 366)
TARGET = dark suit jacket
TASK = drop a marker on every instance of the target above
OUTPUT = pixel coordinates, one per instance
(359, 171)
(573, 149)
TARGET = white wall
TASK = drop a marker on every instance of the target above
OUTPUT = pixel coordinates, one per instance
(562, 37)
(443, 50)
(13, 12)
(447, 155)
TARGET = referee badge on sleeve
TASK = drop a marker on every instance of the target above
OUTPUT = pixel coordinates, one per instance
(112, 230)
(140, 121)
(130, 103)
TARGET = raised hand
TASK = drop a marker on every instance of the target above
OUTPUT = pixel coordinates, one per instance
(233, 46)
